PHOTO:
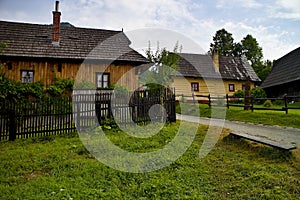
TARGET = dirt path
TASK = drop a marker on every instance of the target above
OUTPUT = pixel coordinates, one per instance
(286, 135)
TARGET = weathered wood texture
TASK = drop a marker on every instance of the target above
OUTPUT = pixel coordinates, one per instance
(47, 71)
(286, 147)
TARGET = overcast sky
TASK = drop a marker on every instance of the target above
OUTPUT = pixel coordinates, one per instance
(274, 23)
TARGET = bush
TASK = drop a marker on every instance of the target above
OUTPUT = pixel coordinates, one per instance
(15, 90)
(258, 92)
(239, 93)
(268, 104)
(84, 84)
(278, 103)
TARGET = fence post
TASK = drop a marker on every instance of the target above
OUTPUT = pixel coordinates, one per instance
(12, 126)
(247, 94)
(227, 101)
(209, 100)
(252, 103)
(286, 104)
(78, 116)
(193, 95)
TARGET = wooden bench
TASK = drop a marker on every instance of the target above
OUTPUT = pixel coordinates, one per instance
(285, 147)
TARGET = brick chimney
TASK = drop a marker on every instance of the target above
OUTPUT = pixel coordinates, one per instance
(215, 56)
(56, 25)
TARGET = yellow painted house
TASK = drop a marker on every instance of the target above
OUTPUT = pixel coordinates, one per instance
(215, 75)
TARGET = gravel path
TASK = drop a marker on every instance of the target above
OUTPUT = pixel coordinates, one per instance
(286, 135)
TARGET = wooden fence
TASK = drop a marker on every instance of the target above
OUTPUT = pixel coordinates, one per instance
(125, 109)
(233, 101)
(32, 118)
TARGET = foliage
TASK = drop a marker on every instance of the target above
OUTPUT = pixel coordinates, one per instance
(258, 92)
(84, 84)
(251, 49)
(223, 43)
(121, 91)
(3, 45)
(239, 93)
(15, 90)
(161, 73)
(59, 167)
(278, 103)
(268, 104)
(262, 68)
(60, 87)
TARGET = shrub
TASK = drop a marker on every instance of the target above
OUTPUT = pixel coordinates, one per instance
(278, 102)
(268, 104)
(239, 93)
(84, 84)
(258, 92)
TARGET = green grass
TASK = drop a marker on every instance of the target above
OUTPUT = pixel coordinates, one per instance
(239, 114)
(60, 167)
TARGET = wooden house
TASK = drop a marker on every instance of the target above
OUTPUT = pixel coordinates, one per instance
(284, 78)
(216, 75)
(42, 53)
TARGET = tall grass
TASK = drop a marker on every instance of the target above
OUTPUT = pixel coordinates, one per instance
(59, 167)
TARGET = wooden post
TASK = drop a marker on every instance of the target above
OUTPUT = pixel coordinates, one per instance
(193, 97)
(252, 103)
(227, 101)
(12, 126)
(247, 94)
(286, 104)
(78, 116)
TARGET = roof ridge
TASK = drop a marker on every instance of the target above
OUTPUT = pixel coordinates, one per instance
(64, 27)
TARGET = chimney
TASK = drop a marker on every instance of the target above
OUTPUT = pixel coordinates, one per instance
(215, 55)
(56, 25)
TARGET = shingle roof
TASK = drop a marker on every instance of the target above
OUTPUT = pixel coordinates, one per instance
(286, 69)
(196, 65)
(236, 68)
(34, 40)
(232, 68)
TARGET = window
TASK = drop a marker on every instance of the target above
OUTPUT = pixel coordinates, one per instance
(59, 67)
(9, 66)
(102, 80)
(27, 76)
(231, 88)
(243, 87)
(195, 86)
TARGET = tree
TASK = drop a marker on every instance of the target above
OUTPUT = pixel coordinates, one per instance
(262, 68)
(163, 69)
(223, 42)
(251, 49)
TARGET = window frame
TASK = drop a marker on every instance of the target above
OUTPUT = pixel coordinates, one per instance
(102, 74)
(231, 87)
(193, 89)
(243, 86)
(30, 80)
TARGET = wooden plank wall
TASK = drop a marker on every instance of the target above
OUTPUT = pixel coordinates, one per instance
(46, 71)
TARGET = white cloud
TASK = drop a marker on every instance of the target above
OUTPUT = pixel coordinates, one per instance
(287, 9)
(274, 41)
(238, 3)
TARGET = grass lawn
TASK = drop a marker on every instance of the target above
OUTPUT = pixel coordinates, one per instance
(60, 167)
(239, 114)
